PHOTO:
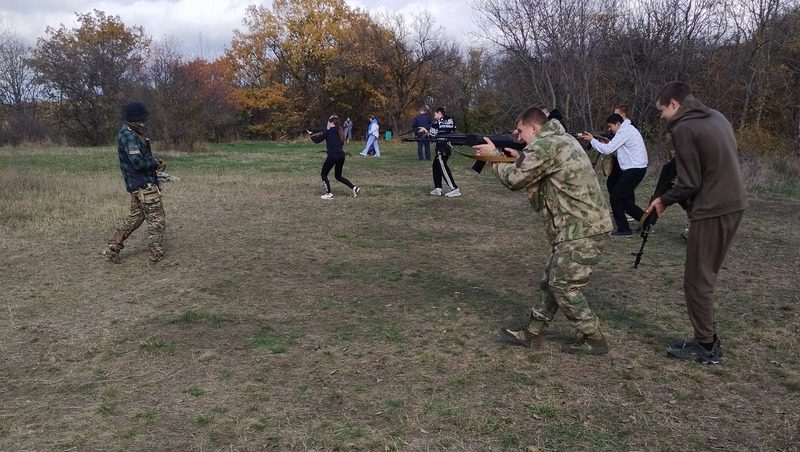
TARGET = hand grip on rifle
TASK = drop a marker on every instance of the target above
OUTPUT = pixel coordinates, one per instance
(648, 220)
(500, 141)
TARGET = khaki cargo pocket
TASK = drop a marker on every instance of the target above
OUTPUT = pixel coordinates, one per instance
(149, 195)
(585, 257)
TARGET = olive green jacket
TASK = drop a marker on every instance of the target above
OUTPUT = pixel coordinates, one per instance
(561, 185)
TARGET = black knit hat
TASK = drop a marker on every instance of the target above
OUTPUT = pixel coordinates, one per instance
(135, 112)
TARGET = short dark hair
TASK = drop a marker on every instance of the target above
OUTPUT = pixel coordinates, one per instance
(533, 115)
(673, 90)
(623, 108)
(614, 118)
(441, 110)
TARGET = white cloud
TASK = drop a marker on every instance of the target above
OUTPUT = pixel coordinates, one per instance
(454, 16)
(203, 27)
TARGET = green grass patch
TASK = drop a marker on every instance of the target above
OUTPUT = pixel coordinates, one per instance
(543, 410)
(107, 408)
(195, 391)
(267, 339)
(192, 317)
(156, 346)
(146, 416)
(203, 420)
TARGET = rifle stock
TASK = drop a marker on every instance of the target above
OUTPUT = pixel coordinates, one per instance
(501, 141)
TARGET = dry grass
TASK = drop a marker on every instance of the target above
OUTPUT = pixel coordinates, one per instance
(283, 322)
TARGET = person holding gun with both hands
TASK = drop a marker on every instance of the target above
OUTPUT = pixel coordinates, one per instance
(442, 125)
(561, 185)
(632, 158)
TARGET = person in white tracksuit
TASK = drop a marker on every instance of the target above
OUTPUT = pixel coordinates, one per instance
(372, 137)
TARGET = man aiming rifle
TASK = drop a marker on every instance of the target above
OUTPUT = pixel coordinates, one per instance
(556, 174)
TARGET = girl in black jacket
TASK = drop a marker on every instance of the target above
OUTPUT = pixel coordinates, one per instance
(334, 139)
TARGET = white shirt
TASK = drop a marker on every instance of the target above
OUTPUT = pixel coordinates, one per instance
(629, 145)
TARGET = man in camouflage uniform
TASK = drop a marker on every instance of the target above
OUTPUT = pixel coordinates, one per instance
(139, 169)
(562, 186)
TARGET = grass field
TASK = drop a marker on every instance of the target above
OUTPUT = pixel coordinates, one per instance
(280, 321)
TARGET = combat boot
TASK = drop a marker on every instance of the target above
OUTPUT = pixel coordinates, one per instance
(155, 258)
(522, 337)
(587, 345)
(111, 254)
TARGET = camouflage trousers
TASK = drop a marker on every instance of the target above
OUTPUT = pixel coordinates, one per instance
(145, 205)
(567, 273)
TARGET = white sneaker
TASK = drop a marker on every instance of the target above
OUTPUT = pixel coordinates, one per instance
(453, 193)
(356, 191)
(437, 192)
(327, 196)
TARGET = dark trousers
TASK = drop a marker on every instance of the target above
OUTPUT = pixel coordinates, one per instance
(426, 145)
(621, 186)
(708, 243)
(336, 162)
(438, 174)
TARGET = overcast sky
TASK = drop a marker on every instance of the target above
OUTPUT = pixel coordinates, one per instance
(204, 27)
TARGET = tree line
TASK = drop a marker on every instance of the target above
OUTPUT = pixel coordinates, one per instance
(291, 65)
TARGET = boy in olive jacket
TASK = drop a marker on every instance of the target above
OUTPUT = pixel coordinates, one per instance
(561, 186)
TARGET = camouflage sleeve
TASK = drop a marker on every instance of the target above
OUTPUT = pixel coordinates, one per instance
(529, 169)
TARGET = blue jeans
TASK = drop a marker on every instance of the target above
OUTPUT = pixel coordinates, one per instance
(427, 146)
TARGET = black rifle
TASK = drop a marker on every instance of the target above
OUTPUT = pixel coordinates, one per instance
(603, 137)
(472, 139)
(664, 183)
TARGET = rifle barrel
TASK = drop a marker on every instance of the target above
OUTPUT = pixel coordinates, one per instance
(502, 141)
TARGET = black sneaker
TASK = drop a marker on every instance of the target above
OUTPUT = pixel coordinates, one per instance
(521, 337)
(692, 350)
(621, 234)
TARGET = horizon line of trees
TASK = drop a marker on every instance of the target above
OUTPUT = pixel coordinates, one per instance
(292, 65)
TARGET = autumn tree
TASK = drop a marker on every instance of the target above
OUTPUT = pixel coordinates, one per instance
(18, 92)
(87, 73)
(413, 58)
(192, 101)
(555, 49)
(283, 62)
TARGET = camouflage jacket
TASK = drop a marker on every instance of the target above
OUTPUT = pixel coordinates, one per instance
(135, 159)
(561, 185)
